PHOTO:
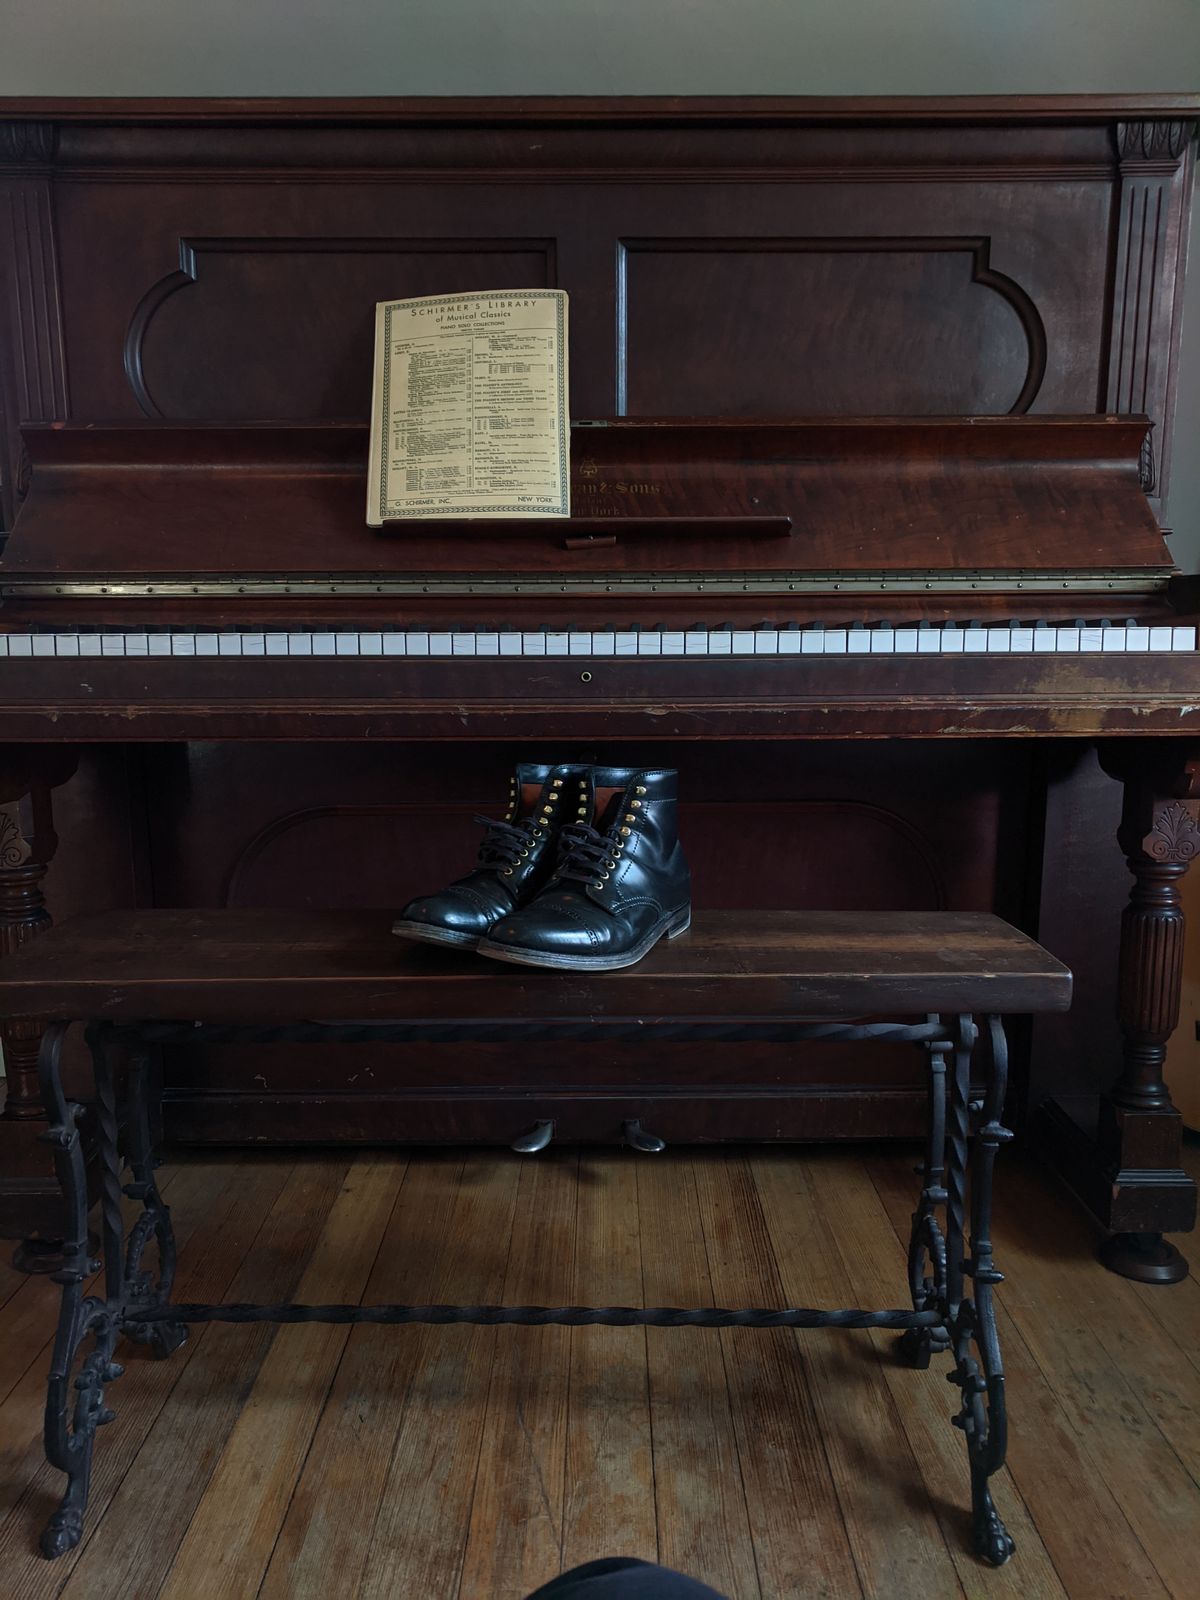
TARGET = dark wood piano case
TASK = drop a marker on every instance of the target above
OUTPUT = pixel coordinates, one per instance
(728, 258)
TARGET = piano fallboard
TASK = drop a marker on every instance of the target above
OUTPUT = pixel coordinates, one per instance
(570, 697)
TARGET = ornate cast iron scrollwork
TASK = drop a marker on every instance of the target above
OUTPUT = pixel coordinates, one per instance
(940, 1268)
(136, 1300)
(75, 1400)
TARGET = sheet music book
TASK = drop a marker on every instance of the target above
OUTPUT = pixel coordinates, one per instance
(469, 408)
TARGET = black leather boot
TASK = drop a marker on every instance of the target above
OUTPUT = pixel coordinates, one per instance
(516, 858)
(621, 881)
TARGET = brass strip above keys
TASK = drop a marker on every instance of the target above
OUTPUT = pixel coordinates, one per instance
(1127, 581)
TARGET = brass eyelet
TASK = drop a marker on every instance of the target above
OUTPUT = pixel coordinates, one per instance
(625, 832)
(506, 872)
(629, 817)
(556, 783)
(522, 854)
(604, 877)
(546, 810)
(639, 788)
(636, 804)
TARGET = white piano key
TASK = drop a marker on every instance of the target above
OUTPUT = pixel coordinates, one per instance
(183, 644)
(836, 641)
(136, 644)
(1067, 639)
(1045, 640)
(858, 642)
(626, 644)
(416, 643)
(883, 641)
(345, 644)
(812, 642)
(720, 642)
(67, 644)
(604, 644)
(906, 641)
(556, 643)
(90, 644)
(395, 644)
(277, 644)
(254, 644)
(789, 641)
(462, 644)
(299, 644)
(370, 644)
(671, 642)
(953, 643)
(112, 644)
(1021, 638)
(1137, 638)
(649, 643)
(441, 643)
(975, 641)
(1113, 638)
(999, 641)
(533, 644)
(229, 644)
(43, 644)
(1091, 639)
(206, 644)
(487, 644)
(929, 641)
(766, 641)
(159, 644)
(4, 637)
(323, 644)
(1183, 638)
(695, 642)
(510, 644)
(743, 642)
(579, 644)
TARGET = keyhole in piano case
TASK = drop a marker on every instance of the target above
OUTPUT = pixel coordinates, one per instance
(585, 677)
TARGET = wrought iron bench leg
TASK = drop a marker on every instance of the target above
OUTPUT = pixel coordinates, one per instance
(89, 1325)
(927, 1244)
(978, 1369)
(141, 1287)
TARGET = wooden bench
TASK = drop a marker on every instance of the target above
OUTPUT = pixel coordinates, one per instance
(142, 979)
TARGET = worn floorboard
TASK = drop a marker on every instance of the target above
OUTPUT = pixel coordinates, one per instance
(376, 1462)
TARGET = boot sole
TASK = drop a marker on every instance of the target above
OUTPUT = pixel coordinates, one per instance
(679, 922)
(426, 933)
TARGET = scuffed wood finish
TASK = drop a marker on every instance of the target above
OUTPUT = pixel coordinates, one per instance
(893, 495)
(394, 1498)
(227, 966)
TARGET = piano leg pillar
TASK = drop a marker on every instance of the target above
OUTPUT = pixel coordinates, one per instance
(30, 1198)
(1139, 1131)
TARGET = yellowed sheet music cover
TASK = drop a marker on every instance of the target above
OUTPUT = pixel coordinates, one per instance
(469, 408)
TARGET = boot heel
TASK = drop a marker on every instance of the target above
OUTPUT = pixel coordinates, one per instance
(681, 924)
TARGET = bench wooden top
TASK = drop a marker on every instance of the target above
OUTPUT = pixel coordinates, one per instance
(284, 966)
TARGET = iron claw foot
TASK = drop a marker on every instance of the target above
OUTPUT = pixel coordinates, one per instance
(62, 1533)
(993, 1542)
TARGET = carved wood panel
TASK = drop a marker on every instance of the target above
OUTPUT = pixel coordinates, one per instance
(844, 326)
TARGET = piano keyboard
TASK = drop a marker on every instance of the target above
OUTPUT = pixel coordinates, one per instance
(789, 640)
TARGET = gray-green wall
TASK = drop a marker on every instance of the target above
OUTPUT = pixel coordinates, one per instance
(281, 47)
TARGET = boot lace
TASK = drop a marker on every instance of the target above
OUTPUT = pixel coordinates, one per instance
(503, 843)
(584, 853)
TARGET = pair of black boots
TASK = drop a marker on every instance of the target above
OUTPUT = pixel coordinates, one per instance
(585, 873)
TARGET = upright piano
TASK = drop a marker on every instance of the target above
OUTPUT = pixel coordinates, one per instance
(867, 539)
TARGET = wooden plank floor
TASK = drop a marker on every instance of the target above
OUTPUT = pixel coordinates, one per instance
(382, 1462)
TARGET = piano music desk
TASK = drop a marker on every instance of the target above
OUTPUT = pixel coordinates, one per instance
(144, 978)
